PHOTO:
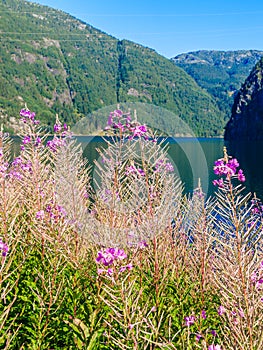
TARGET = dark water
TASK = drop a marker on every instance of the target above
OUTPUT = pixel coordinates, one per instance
(193, 159)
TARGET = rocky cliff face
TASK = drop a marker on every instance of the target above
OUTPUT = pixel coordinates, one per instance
(246, 122)
(221, 73)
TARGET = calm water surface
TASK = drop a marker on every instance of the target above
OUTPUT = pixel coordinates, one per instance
(193, 159)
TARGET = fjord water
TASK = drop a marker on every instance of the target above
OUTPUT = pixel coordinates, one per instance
(193, 159)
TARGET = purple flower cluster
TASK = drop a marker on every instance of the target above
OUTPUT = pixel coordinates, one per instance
(111, 256)
(18, 167)
(3, 248)
(40, 215)
(28, 116)
(221, 310)
(122, 121)
(162, 164)
(55, 143)
(214, 347)
(228, 168)
(126, 267)
(133, 170)
(118, 120)
(58, 127)
(54, 211)
(203, 314)
(142, 244)
(26, 140)
(189, 320)
(138, 131)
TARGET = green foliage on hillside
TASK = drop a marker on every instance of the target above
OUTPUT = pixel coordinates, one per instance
(58, 64)
(221, 73)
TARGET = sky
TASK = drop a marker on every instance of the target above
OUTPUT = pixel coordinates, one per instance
(172, 27)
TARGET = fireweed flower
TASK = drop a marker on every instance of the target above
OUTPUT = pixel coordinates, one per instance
(118, 113)
(241, 313)
(256, 206)
(38, 141)
(169, 167)
(221, 310)
(110, 255)
(219, 183)
(100, 271)
(241, 176)
(133, 170)
(189, 320)
(40, 215)
(57, 128)
(139, 130)
(126, 267)
(17, 161)
(259, 284)
(203, 314)
(142, 244)
(214, 347)
(26, 140)
(54, 144)
(254, 277)
(3, 247)
(27, 114)
(110, 271)
(161, 164)
(227, 167)
(198, 337)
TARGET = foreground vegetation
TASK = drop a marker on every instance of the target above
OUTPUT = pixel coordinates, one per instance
(121, 259)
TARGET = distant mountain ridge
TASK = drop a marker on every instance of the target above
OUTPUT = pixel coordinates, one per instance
(221, 73)
(58, 64)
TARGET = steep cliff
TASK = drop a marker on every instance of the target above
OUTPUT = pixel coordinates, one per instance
(220, 73)
(246, 122)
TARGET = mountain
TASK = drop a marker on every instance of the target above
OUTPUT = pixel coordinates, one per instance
(246, 121)
(220, 73)
(56, 63)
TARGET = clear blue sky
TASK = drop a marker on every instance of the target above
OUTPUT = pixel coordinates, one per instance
(172, 27)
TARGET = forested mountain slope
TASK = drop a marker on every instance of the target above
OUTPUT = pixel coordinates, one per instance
(58, 64)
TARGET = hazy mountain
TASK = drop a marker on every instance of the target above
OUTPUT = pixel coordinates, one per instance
(58, 64)
(221, 73)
